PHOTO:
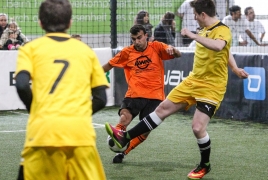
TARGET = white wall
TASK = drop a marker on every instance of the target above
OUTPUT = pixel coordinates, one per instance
(9, 99)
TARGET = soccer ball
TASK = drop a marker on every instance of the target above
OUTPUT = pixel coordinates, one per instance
(113, 147)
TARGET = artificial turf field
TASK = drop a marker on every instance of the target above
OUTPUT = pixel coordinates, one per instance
(239, 149)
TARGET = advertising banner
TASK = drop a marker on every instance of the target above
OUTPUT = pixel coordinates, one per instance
(9, 99)
(244, 99)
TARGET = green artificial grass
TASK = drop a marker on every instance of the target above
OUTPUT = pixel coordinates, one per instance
(239, 149)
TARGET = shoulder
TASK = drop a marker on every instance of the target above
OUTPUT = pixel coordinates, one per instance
(157, 45)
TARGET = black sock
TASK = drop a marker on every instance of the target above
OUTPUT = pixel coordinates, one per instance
(205, 152)
(145, 125)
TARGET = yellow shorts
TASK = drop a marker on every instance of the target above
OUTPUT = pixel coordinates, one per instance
(62, 163)
(190, 91)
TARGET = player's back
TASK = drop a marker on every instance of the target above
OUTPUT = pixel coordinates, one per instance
(61, 69)
(61, 73)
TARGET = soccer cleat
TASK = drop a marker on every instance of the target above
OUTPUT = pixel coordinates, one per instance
(117, 135)
(118, 158)
(199, 172)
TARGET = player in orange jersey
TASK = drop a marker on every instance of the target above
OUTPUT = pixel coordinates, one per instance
(144, 73)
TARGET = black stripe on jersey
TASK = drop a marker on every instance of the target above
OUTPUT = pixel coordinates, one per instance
(57, 38)
(219, 24)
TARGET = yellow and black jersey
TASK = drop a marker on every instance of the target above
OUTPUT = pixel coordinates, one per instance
(63, 71)
(210, 66)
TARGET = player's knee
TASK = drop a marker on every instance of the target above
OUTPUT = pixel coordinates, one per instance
(125, 117)
(197, 129)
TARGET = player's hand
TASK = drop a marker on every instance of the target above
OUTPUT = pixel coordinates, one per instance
(241, 73)
(188, 33)
(170, 50)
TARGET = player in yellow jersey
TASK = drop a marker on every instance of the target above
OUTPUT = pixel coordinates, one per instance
(204, 87)
(68, 86)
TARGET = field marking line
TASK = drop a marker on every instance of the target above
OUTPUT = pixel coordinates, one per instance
(95, 125)
(12, 131)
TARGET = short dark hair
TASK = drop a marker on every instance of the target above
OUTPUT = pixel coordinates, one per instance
(246, 10)
(206, 6)
(55, 15)
(234, 8)
(136, 29)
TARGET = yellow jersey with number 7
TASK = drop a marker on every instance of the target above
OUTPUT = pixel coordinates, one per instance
(63, 71)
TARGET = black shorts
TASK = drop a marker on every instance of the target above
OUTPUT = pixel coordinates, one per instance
(206, 108)
(141, 106)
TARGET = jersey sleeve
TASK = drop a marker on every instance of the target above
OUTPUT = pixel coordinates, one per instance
(98, 77)
(223, 33)
(24, 62)
(121, 58)
(161, 50)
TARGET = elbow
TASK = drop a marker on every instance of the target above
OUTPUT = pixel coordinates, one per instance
(218, 48)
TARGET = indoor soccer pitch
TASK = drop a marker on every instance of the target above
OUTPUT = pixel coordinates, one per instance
(239, 149)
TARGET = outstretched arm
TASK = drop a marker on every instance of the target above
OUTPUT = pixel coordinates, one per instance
(173, 51)
(241, 73)
(107, 67)
(213, 44)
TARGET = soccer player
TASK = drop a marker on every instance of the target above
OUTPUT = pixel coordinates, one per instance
(68, 86)
(144, 73)
(204, 87)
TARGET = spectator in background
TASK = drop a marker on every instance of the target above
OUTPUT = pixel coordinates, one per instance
(222, 7)
(165, 30)
(76, 36)
(238, 27)
(3, 24)
(143, 19)
(254, 26)
(186, 13)
(12, 26)
(12, 43)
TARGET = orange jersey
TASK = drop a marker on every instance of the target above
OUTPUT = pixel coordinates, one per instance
(144, 71)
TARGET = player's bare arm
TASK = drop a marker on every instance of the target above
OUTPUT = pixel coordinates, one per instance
(241, 73)
(173, 51)
(107, 67)
(213, 44)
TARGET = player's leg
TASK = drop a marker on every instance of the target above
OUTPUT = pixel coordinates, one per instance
(177, 99)
(84, 163)
(132, 106)
(126, 113)
(149, 106)
(202, 116)
(20, 175)
(147, 124)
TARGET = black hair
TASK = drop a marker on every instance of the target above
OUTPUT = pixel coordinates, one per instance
(55, 15)
(136, 29)
(206, 6)
(234, 8)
